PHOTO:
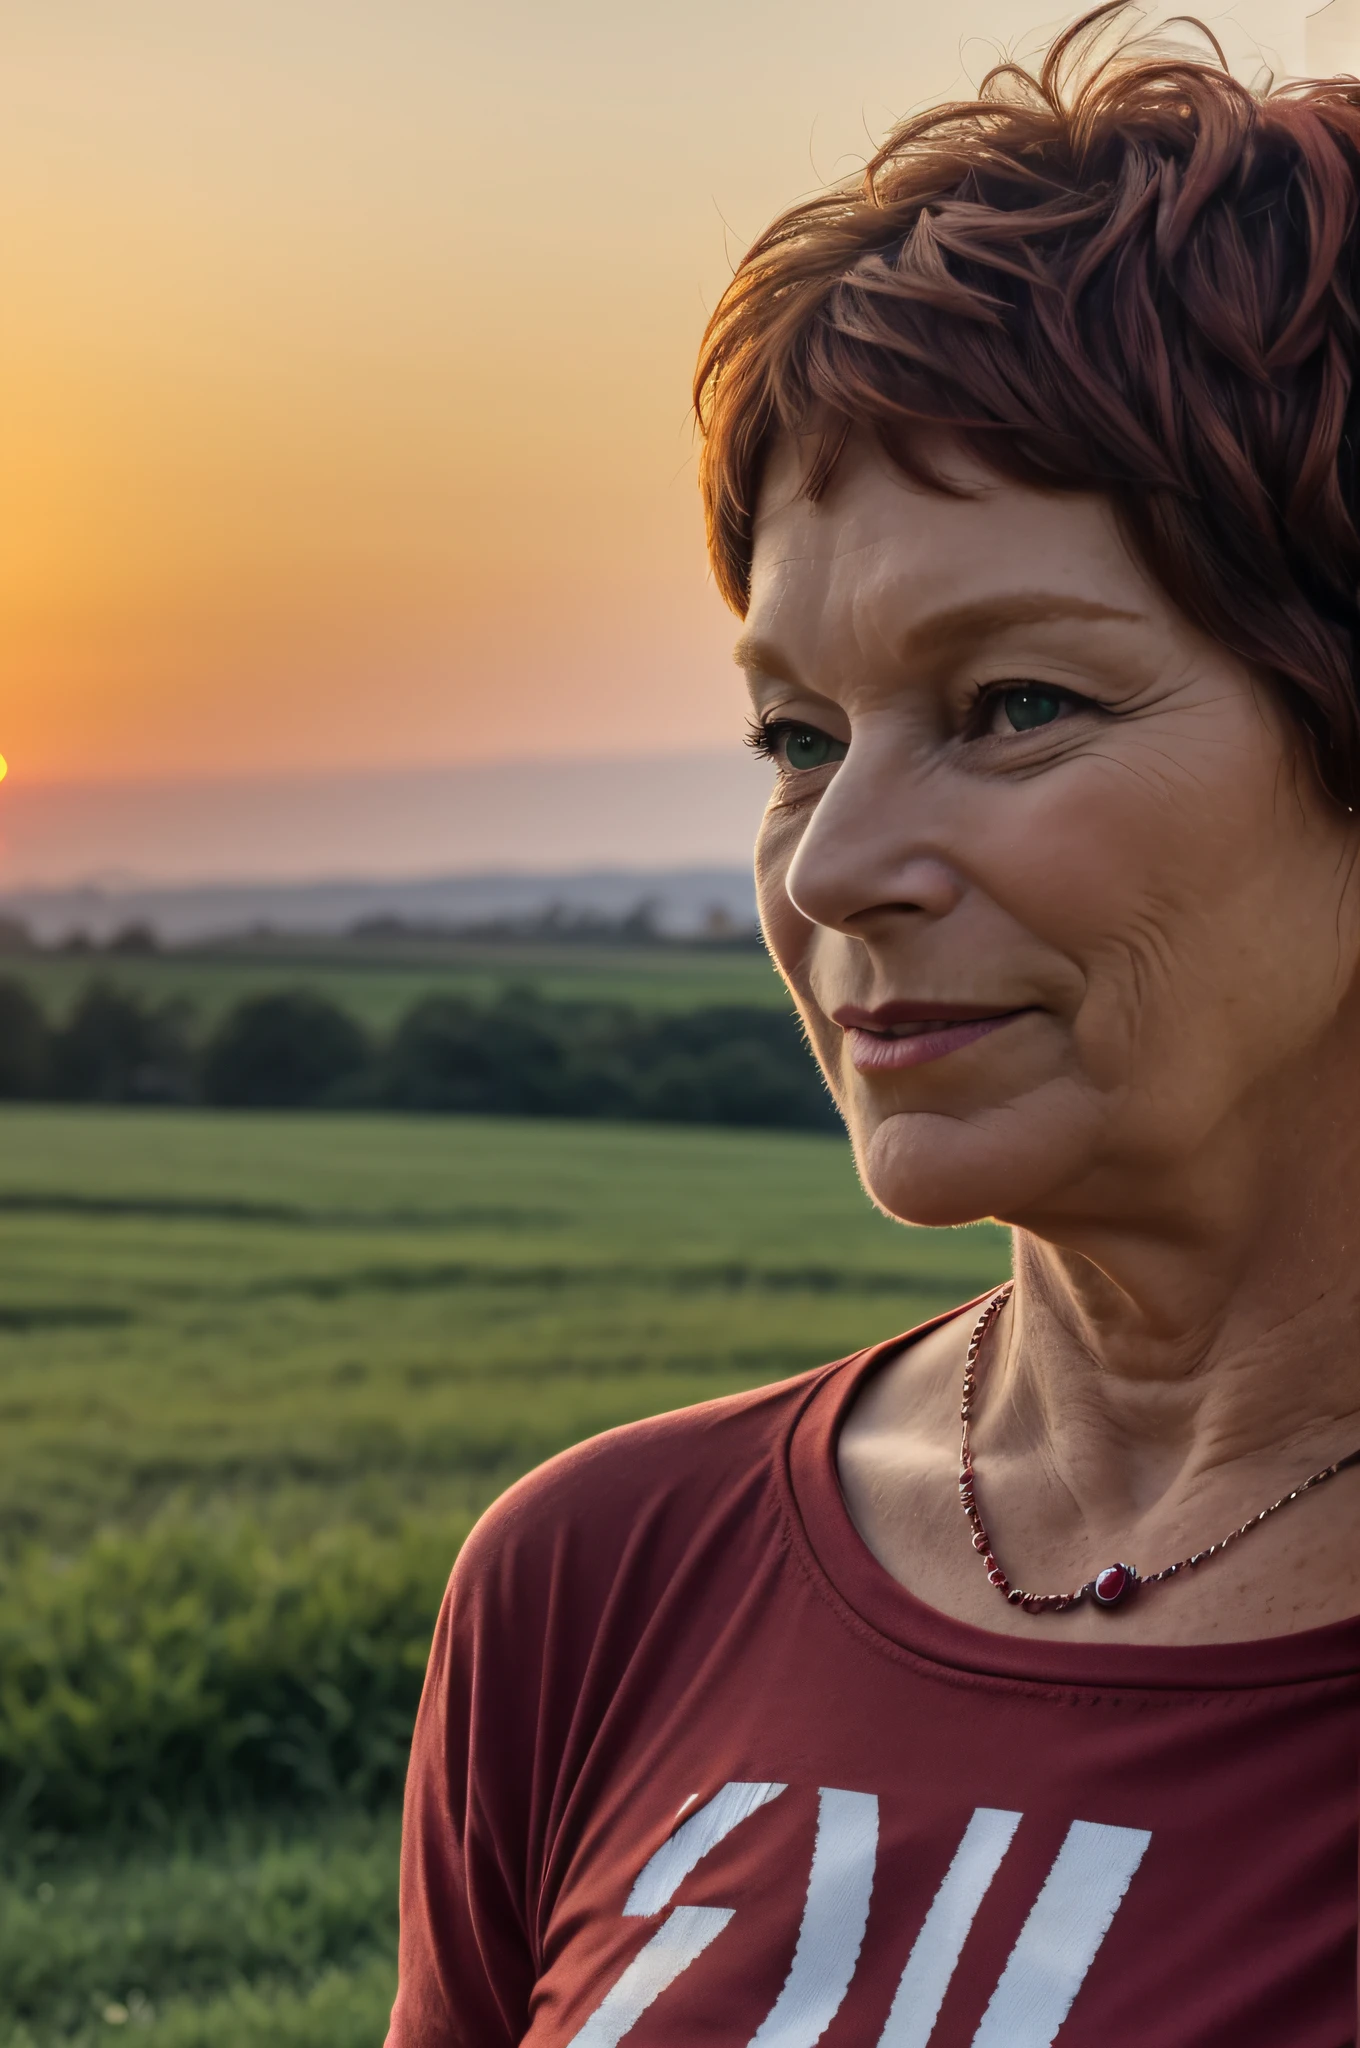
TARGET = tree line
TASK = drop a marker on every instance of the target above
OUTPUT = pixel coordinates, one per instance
(518, 1053)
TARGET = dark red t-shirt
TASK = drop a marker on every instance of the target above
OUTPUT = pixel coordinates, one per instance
(692, 1768)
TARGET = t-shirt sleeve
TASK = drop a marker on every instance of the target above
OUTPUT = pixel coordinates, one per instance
(537, 1631)
(467, 1955)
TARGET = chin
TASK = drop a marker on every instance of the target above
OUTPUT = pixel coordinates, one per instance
(939, 1171)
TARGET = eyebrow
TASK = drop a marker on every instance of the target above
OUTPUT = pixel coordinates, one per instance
(940, 631)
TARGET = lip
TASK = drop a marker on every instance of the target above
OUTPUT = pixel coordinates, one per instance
(944, 1028)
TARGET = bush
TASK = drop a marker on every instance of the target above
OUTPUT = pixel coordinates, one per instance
(186, 1670)
(286, 1051)
(270, 1931)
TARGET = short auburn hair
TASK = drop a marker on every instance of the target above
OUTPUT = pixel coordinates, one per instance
(1131, 275)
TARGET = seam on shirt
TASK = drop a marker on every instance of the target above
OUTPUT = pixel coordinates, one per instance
(795, 1540)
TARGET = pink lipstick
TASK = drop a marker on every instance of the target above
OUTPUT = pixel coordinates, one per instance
(897, 1035)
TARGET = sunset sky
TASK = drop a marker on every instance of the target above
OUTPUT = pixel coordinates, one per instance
(345, 356)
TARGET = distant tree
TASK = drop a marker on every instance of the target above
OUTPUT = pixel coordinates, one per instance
(520, 1054)
(719, 927)
(137, 940)
(15, 936)
(736, 1084)
(383, 928)
(641, 925)
(450, 1054)
(115, 1048)
(289, 1050)
(730, 1064)
(25, 1042)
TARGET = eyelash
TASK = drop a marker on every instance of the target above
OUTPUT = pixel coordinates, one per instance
(769, 738)
(763, 734)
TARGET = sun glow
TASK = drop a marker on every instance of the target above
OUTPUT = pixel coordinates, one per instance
(313, 402)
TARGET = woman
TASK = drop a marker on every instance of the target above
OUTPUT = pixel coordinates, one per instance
(832, 1712)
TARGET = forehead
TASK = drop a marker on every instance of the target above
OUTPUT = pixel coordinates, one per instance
(884, 564)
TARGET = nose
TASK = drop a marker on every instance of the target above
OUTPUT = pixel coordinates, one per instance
(869, 850)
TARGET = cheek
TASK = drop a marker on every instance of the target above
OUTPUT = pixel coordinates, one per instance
(1195, 928)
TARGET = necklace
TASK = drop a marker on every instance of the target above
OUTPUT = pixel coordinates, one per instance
(1117, 1581)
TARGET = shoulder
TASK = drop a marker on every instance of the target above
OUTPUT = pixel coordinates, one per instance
(659, 1485)
(579, 1561)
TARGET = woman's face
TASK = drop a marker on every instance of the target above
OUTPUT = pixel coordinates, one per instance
(1059, 900)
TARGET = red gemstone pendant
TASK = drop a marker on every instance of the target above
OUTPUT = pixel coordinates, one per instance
(1113, 1584)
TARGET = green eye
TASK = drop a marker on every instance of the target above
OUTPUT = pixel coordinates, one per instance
(805, 747)
(1030, 707)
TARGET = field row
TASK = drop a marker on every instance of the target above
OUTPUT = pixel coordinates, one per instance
(316, 1314)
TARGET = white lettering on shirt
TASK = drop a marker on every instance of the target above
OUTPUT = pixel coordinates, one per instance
(682, 1937)
(1057, 1944)
(835, 1916)
(663, 1874)
(946, 1927)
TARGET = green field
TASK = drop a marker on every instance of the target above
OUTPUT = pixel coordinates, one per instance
(257, 1375)
(377, 983)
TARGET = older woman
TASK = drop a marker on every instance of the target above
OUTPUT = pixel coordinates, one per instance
(999, 1685)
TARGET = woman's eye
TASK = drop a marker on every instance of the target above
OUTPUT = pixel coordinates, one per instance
(1026, 706)
(802, 746)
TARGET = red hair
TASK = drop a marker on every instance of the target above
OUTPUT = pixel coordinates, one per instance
(1132, 276)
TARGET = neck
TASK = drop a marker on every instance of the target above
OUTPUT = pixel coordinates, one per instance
(1146, 1351)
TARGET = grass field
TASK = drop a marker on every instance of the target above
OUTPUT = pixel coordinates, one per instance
(257, 1375)
(377, 983)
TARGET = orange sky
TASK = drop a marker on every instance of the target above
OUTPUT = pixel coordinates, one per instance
(345, 352)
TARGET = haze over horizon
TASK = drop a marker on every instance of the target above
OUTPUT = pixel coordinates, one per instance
(669, 810)
(344, 372)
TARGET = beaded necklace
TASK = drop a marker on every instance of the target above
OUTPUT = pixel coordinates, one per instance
(1117, 1581)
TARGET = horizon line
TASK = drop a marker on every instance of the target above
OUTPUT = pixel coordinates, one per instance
(128, 882)
(15, 783)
